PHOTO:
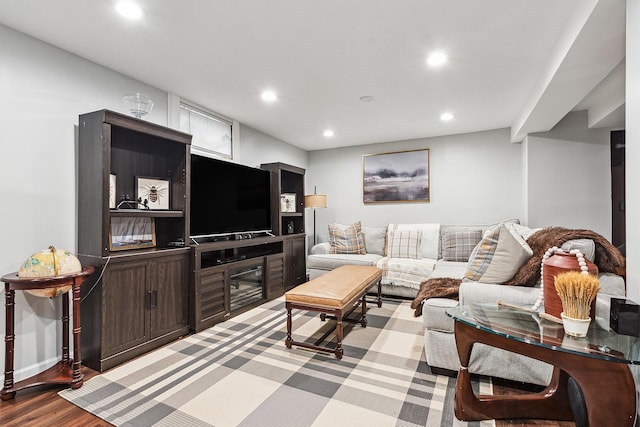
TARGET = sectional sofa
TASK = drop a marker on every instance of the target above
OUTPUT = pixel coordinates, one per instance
(439, 251)
(410, 254)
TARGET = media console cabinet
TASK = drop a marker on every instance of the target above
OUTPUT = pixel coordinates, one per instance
(232, 276)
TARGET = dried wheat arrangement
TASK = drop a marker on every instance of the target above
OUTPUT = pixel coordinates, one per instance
(576, 291)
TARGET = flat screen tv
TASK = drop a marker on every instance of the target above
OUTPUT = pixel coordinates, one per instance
(228, 198)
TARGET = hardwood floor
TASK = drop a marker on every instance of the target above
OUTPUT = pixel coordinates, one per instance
(41, 406)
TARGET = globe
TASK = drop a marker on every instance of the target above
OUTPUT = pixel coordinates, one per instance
(50, 262)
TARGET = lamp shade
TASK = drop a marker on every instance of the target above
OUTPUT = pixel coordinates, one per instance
(315, 201)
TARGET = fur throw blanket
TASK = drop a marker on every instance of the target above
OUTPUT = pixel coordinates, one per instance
(607, 257)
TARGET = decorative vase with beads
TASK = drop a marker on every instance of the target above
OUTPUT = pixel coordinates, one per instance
(556, 261)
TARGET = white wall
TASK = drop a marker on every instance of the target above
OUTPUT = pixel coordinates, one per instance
(42, 91)
(474, 177)
(632, 149)
(568, 176)
(258, 147)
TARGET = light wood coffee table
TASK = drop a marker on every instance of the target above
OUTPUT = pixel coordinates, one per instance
(338, 293)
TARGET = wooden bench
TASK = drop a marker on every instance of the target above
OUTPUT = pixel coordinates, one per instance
(338, 293)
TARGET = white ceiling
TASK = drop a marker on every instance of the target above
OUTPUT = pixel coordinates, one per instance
(520, 64)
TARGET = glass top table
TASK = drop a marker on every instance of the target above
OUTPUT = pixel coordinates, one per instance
(590, 375)
(528, 327)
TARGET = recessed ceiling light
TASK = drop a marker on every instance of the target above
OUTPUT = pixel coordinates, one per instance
(328, 133)
(269, 96)
(366, 98)
(129, 9)
(436, 59)
(445, 117)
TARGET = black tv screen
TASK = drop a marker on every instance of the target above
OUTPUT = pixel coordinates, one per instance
(228, 198)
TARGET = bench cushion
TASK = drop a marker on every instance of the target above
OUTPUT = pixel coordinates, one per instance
(336, 288)
(332, 261)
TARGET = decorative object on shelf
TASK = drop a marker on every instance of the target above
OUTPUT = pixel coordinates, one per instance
(576, 291)
(112, 191)
(290, 227)
(132, 233)
(153, 191)
(315, 201)
(138, 104)
(127, 203)
(50, 262)
(288, 202)
(396, 177)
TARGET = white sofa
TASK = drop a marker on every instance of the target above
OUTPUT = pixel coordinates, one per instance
(440, 347)
(402, 277)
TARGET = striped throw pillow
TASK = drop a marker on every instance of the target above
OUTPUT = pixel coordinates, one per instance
(404, 244)
(346, 239)
(498, 256)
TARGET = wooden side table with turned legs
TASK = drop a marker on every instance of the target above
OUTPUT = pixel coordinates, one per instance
(66, 371)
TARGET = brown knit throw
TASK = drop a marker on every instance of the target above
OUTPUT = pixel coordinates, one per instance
(607, 257)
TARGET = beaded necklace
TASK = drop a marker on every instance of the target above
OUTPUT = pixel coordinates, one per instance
(584, 269)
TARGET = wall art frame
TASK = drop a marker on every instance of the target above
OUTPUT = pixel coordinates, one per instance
(288, 202)
(396, 177)
(132, 232)
(156, 191)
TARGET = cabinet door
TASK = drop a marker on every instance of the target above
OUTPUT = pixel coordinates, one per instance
(211, 300)
(125, 317)
(295, 261)
(168, 289)
(275, 276)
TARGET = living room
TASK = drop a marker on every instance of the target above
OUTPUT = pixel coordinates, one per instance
(477, 176)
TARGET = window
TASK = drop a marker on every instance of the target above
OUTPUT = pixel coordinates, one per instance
(211, 133)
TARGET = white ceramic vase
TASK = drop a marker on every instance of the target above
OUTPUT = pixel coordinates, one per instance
(575, 327)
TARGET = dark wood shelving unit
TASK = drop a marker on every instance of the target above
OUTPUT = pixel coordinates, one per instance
(140, 299)
(289, 179)
(146, 213)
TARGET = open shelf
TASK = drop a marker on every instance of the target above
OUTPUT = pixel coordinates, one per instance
(147, 213)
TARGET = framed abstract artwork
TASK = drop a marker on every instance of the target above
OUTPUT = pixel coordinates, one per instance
(396, 177)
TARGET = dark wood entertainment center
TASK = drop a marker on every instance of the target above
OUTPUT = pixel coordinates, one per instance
(144, 297)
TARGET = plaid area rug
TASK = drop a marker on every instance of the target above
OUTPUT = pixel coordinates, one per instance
(239, 373)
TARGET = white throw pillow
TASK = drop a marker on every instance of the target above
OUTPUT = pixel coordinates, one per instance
(498, 256)
(404, 244)
(430, 240)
